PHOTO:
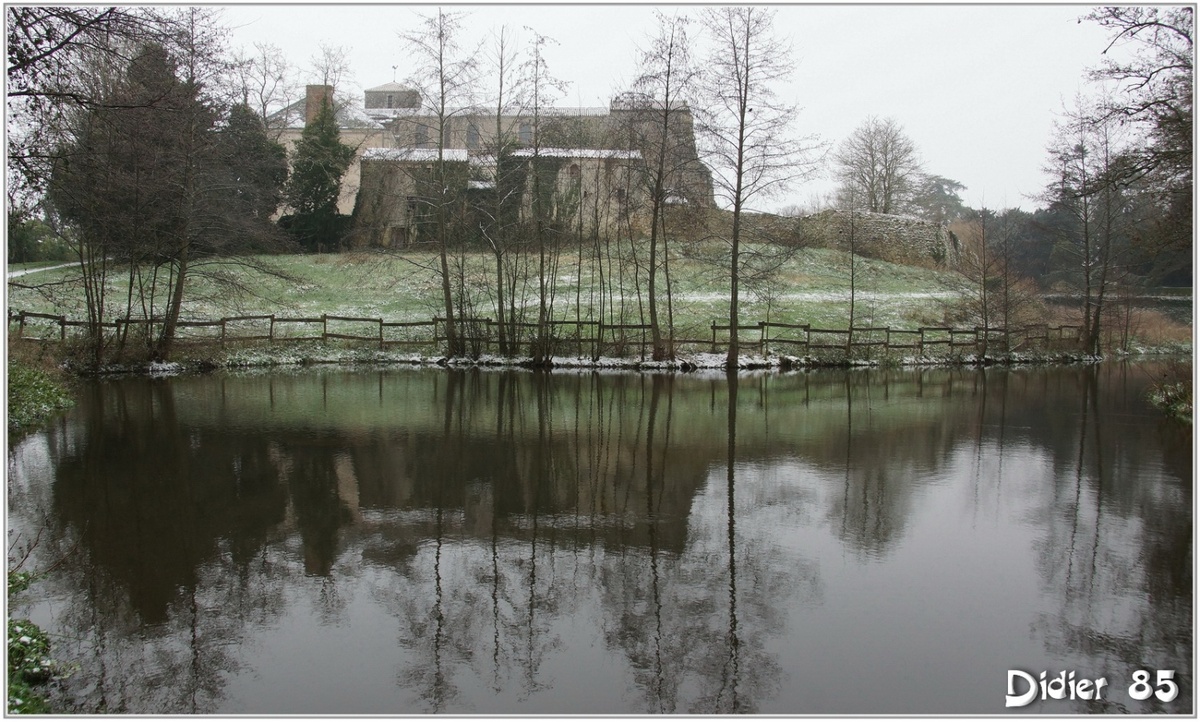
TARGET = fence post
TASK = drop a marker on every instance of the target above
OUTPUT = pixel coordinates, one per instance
(763, 333)
(21, 325)
(921, 341)
(324, 327)
(223, 320)
(62, 329)
(714, 336)
(271, 331)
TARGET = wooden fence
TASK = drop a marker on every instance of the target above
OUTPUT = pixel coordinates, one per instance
(480, 335)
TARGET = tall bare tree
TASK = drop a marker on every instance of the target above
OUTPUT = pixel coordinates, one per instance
(541, 88)
(329, 64)
(880, 163)
(663, 118)
(267, 82)
(446, 74)
(1091, 169)
(503, 209)
(746, 128)
(992, 293)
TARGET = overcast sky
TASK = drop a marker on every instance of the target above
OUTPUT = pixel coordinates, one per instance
(976, 87)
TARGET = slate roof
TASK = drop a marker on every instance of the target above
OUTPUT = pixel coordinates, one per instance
(349, 117)
(389, 88)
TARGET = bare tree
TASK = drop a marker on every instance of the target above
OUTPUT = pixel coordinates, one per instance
(1155, 82)
(988, 290)
(879, 162)
(852, 257)
(661, 96)
(446, 76)
(745, 127)
(266, 80)
(1154, 92)
(540, 87)
(502, 211)
(330, 64)
(1092, 168)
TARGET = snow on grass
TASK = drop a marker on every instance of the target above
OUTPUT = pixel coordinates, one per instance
(828, 296)
(405, 287)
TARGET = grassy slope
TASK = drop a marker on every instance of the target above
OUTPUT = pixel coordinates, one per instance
(814, 288)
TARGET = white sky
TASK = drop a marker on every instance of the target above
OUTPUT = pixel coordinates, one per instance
(976, 87)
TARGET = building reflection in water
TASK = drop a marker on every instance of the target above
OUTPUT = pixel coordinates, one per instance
(583, 542)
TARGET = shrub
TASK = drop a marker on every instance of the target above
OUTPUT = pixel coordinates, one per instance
(33, 395)
(1172, 395)
(29, 662)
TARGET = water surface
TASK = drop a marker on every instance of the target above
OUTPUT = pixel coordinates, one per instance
(414, 541)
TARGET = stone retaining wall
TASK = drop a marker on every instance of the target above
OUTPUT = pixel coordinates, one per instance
(900, 239)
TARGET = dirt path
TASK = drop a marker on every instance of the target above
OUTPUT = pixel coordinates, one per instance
(27, 271)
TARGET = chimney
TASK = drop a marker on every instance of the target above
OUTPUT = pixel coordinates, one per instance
(314, 95)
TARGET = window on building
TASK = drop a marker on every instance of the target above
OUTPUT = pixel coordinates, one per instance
(525, 135)
(472, 136)
(390, 99)
(422, 136)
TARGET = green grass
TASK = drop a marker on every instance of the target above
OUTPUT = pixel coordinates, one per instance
(813, 287)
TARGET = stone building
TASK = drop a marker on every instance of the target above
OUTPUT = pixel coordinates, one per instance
(358, 130)
(594, 156)
(586, 190)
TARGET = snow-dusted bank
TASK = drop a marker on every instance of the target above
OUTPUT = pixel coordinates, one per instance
(310, 355)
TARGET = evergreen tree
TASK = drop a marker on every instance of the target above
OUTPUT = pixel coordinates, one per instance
(320, 161)
(130, 186)
(256, 170)
(149, 188)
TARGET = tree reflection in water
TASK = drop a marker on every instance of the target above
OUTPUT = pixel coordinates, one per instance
(585, 542)
(1107, 536)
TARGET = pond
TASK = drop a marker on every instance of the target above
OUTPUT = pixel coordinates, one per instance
(391, 541)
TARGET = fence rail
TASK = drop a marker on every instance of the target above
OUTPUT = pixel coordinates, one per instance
(480, 335)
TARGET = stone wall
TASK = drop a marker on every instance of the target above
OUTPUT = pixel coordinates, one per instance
(900, 239)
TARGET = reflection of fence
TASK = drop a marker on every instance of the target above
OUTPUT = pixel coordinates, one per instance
(563, 337)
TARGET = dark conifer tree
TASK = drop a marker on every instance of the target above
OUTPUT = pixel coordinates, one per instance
(320, 161)
(256, 169)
